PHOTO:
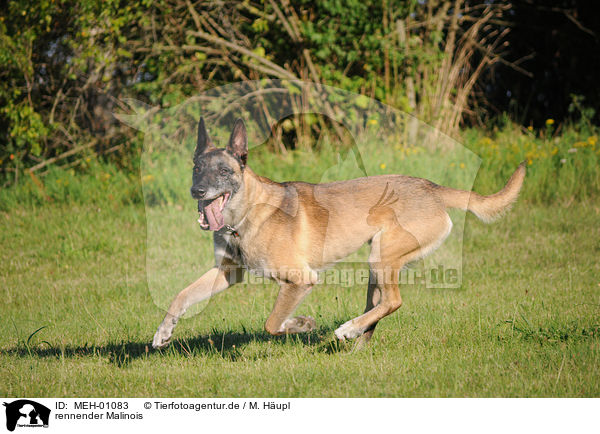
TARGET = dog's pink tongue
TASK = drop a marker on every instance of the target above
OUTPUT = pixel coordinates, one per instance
(214, 216)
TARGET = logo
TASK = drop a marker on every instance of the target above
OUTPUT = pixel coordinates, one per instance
(26, 413)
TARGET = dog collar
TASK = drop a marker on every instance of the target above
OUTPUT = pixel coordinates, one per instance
(231, 230)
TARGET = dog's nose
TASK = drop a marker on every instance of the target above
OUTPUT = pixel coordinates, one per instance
(198, 192)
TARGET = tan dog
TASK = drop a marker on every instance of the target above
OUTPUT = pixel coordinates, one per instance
(290, 231)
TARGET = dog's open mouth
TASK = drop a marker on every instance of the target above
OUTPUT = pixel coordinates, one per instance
(211, 212)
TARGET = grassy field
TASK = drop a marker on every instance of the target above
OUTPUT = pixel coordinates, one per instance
(525, 323)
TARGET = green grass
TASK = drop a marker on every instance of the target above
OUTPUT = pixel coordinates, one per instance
(525, 323)
(564, 167)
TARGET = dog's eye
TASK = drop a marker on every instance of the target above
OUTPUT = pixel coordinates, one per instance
(223, 171)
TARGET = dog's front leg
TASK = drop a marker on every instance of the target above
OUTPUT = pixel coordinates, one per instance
(289, 297)
(213, 281)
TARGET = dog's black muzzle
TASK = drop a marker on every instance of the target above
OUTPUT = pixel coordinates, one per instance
(198, 192)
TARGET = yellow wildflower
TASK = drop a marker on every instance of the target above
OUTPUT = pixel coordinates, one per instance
(372, 122)
(530, 128)
(549, 121)
(462, 165)
(382, 166)
(530, 155)
(592, 140)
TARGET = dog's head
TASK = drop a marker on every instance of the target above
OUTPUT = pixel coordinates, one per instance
(217, 175)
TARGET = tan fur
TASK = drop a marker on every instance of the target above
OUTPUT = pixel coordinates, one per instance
(290, 231)
(487, 208)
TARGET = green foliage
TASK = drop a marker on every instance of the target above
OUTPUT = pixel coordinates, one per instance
(61, 61)
(27, 131)
(95, 184)
(580, 111)
(66, 65)
(23, 128)
(560, 168)
(347, 41)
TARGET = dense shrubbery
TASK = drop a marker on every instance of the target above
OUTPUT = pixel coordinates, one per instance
(66, 65)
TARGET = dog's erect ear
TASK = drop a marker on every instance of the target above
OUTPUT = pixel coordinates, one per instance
(204, 141)
(238, 142)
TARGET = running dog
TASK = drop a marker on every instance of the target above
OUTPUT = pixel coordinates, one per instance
(290, 231)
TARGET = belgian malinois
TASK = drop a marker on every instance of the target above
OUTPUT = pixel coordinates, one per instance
(290, 231)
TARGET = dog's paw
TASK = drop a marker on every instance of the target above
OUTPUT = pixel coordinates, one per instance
(299, 324)
(347, 331)
(162, 337)
(306, 323)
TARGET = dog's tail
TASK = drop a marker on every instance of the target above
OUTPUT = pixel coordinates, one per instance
(486, 208)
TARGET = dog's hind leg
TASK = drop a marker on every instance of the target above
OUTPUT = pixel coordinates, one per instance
(373, 299)
(215, 280)
(391, 250)
(289, 297)
(390, 301)
(374, 289)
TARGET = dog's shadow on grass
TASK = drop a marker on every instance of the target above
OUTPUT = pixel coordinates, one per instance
(227, 344)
